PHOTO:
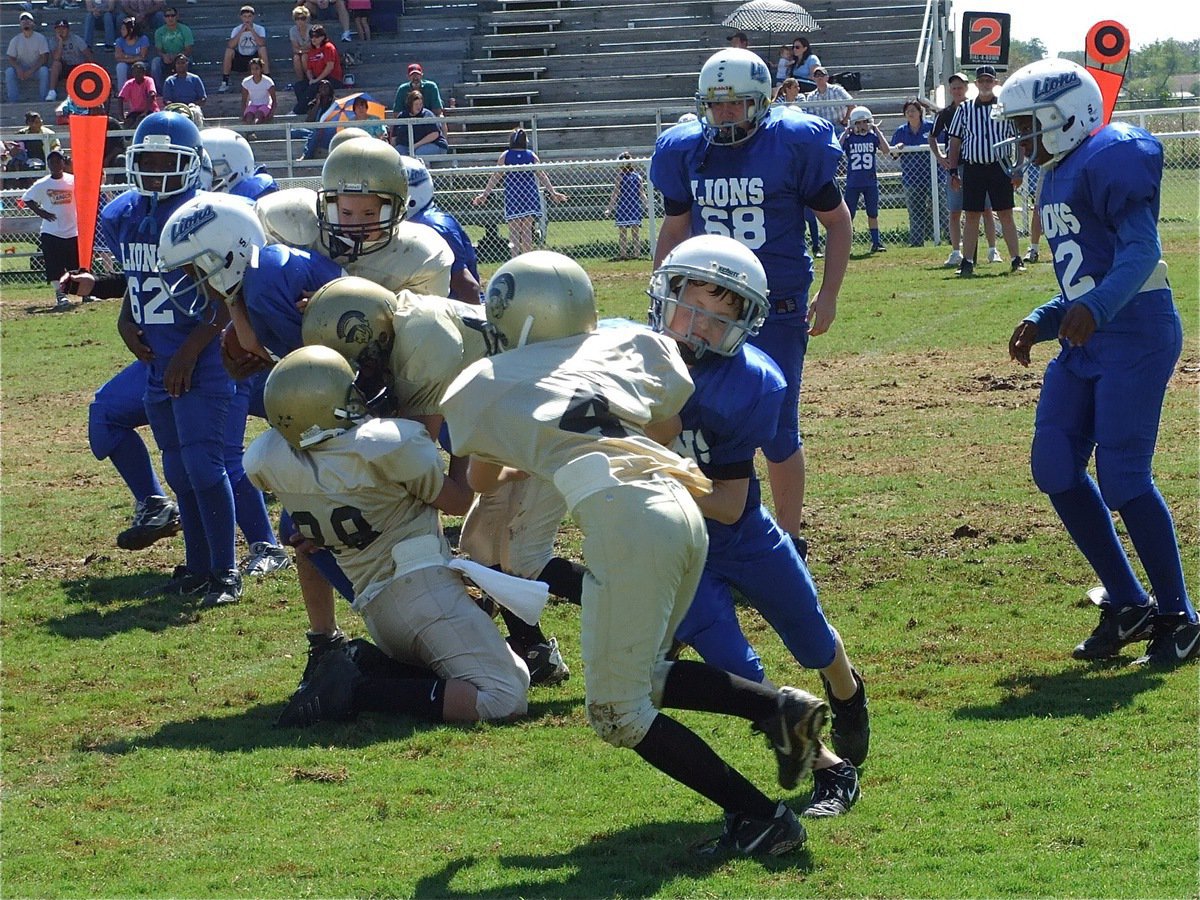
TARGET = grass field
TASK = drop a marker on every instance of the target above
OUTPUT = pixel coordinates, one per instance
(139, 757)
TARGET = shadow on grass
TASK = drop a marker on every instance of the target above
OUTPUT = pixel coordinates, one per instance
(254, 728)
(1081, 690)
(633, 862)
(115, 605)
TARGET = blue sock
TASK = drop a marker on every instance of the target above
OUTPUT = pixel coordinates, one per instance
(251, 511)
(1152, 532)
(131, 459)
(216, 508)
(874, 237)
(195, 544)
(1087, 520)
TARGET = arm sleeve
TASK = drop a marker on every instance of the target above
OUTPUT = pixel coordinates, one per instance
(827, 197)
(1048, 317)
(1138, 252)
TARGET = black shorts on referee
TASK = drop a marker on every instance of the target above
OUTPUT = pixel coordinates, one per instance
(984, 181)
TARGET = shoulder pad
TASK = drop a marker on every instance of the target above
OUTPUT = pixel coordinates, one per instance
(289, 217)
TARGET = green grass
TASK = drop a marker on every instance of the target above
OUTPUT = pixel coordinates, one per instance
(139, 757)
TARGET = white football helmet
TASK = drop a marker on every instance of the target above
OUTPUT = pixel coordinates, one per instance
(540, 296)
(420, 185)
(728, 76)
(310, 397)
(716, 260)
(1060, 98)
(860, 114)
(232, 158)
(212, 238)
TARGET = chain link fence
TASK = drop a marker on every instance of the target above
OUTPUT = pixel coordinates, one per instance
(606, 209)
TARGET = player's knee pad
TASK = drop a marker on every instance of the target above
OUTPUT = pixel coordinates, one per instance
(1052, 462)
(504, 698)
(1122, 476)
(105, 430)
(623, 723)
(204, 463)
(174, 470)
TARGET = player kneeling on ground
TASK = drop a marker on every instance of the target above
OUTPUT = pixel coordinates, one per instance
(575, 406)
(370, 490)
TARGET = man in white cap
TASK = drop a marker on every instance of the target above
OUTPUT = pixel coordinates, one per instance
(28, 55)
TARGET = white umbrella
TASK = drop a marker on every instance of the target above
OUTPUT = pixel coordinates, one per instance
(771, 16)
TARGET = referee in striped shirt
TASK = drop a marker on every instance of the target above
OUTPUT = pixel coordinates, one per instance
(973, 136)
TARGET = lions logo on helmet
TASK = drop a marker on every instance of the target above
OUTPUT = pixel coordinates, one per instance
(730, 77)
(1054, 104)
(212, 239)
(709, 259)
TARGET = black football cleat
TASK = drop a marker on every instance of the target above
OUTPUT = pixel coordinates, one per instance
(1173, 641)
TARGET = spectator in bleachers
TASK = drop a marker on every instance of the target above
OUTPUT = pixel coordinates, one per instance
(149, 14)
(131, 47)
(247, 41)
(738, 39)
(914, 171)
(184, 86)
(789, 91)
(172, 40)
(52, 199)
(361, 110)
(258, 95)
(418, 82)
(28, 153)
(28, 55)
(522, 199)
(139, 95)
(316, 140)
(69, 51)
(798, 61)
(324, 10)
(836, 100)
(322, 62)
(361, 13)
(428, 138)
(103, 12)
(298, 35)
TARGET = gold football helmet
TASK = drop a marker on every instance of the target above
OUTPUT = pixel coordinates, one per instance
(540, 296)
(355, 170)
(310, 397)
(354, 317)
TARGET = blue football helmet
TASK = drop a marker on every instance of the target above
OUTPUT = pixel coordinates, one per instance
(175, 143)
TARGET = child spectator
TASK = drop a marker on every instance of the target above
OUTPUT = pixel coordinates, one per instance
(138, 95)
(361, 11)
(522, 199)
(52, 198)
(258, 95)
(629, 202)
(361, 109)
(247, 41)
(860, 143)
(316, 140)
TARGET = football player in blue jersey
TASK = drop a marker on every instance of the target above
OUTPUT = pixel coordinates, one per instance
(1120, 336)
(188, 392)
(747, 170)
(233, 169)
(464, 273)
(863, 141)
(710, 295)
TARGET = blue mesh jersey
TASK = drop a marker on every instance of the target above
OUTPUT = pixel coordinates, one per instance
(1100, 217)
(754, 192)
(254, 186)
(275, 279)
(860, 158)
(452, 232)
(733, 411)
(131, 224)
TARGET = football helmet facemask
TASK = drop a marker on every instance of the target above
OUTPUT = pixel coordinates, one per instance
(164, 158)
(540, 296)
(310, 397)
(212, 238)
(733, 76)
(231, 156)
(716, 260)
(1054, 103)
(359, 168)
